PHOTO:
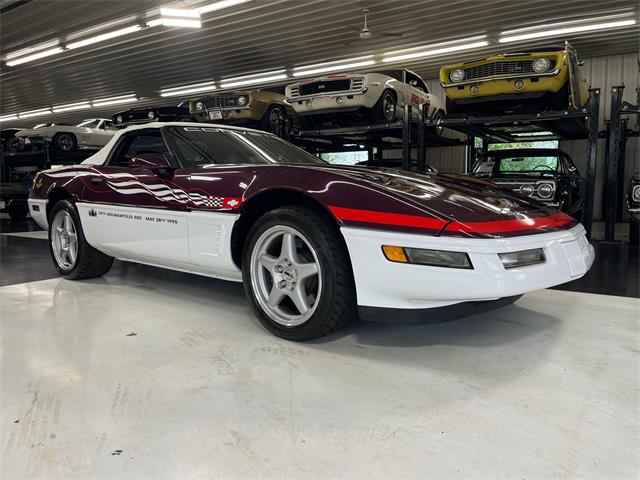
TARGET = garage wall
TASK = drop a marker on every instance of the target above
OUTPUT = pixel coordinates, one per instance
(603, 72)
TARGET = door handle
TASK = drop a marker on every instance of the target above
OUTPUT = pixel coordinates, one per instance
(96, 180)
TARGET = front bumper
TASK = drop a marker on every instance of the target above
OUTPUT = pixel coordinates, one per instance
(381, 283)
(38, 211)
(350, 101)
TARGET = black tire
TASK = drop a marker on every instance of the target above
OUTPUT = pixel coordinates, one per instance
(381, 111)
(274, 121)
(18, 211)
(337, 304)
(65, 142)
(90, 262)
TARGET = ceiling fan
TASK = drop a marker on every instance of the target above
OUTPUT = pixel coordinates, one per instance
(366, 33)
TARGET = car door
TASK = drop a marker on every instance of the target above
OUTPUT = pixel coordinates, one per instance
(136, 213)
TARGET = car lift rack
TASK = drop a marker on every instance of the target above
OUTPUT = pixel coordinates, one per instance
(617, 135)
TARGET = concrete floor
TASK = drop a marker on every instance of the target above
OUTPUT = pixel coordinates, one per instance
(160, 375)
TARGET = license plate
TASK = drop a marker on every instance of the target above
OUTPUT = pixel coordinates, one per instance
(577, 253)
(215, 114)
(1, 204)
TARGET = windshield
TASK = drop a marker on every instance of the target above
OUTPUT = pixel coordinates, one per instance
(517, 164)
(89, 123)
(195, 146)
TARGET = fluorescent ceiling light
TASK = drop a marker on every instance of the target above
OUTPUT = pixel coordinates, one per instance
(254, 79)
(220, 5)
(392, 57)
(8, 118)
(187, 89)
(566, 30)
(179, 12)
(35, 56)
(178, 22)
(27, 51)
(333, 66)
(114, 100)
(581, 21)
(154, 23)
(103, 37)
(35, 113)
(71, 106)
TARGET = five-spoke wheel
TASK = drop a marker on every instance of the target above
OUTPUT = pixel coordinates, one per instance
(64, 240)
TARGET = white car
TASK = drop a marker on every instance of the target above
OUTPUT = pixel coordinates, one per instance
(380, 96)
(90, 134)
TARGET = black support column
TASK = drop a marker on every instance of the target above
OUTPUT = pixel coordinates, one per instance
(592, 157)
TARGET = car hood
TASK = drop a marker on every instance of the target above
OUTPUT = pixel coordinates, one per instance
(450, 196)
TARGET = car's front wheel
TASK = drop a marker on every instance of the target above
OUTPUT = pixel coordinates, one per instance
(72, 255)
(65, 142)
(385, 108)
(275, 120)
(297, 275)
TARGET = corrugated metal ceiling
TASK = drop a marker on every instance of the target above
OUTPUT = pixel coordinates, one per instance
(256, 36)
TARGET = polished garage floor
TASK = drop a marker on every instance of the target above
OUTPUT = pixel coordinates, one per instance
(153, 374)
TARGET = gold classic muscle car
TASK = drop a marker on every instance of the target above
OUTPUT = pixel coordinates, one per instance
(264, 109)
(545, 79)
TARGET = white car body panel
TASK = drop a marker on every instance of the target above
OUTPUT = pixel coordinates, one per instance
(381, 283)
(373, 85)
(86, 137)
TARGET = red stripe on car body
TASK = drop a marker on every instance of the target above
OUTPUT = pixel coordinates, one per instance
(414, 221)
(515, 225)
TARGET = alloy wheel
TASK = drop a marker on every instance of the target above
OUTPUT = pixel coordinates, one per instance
(285, 275)
(65, 142)
(64, 240)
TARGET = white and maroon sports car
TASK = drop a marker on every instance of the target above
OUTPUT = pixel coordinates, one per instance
(313, 243)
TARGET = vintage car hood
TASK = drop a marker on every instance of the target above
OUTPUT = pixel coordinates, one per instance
(454, 197)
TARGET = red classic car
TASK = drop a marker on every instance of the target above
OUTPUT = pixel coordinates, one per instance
(313, 243)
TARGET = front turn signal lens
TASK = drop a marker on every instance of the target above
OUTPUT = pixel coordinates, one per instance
(394, 254)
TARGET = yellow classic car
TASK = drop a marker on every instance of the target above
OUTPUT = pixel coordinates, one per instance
(267, 110)
(544, 79)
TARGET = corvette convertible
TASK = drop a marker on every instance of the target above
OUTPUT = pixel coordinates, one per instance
(314, 244)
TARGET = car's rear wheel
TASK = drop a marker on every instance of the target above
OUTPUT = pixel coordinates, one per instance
(437, 121)
(65, 142)
(297, 275)
(274, 120)
(72, 255)
(18, 211)
(385, 108)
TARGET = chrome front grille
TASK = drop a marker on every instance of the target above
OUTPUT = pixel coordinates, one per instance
(294, 91)
(321, 87)
(222, 102)
(502, 68)
(357, 83)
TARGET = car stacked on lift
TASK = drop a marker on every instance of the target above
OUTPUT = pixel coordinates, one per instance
(547, 79)
(376, 97)
(137, 116)
(264, 109)
(90, 134)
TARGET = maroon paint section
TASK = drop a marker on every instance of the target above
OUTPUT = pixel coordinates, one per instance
(433, 204)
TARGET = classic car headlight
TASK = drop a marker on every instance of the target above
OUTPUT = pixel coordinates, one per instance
(432, 258)
(119, 119)
(199, 106)
(545, 190)
(541, 64)
(242, 100)
(456, 75)
(635, 193)
(151, 115)
(527, 189)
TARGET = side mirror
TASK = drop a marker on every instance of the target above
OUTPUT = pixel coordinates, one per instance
(149, 160)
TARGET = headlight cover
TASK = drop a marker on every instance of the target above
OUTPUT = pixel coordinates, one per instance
(151, 115)
(635, 193)
(456, 75)
(431, 258)
(527, 189)
(541, 64)
(119, 119)
(242, 100)
(199, 106)
(522, 259)
(545, 190)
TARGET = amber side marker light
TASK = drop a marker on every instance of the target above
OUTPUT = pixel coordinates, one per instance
(431, 258)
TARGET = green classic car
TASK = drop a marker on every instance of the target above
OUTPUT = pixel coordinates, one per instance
(264, 109)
